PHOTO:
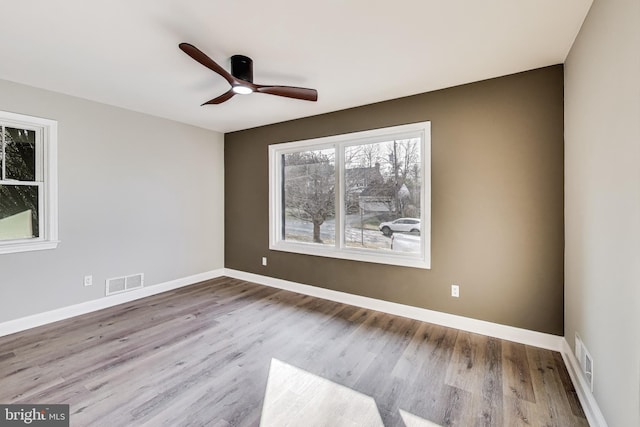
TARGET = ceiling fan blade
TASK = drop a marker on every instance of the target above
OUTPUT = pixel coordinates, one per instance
(289, 92)
(219, 100)
(199, 56)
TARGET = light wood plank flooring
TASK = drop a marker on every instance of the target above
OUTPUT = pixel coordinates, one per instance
(232, 353)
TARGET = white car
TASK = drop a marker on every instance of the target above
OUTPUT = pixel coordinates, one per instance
(401, 225)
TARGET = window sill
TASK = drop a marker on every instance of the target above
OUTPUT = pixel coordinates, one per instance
(10, 248)
(387, 257)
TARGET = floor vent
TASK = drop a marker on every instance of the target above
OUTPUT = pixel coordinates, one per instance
(585, 360)
(117, 285)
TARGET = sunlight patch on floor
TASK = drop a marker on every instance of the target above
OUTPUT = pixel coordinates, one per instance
(295, 397)
(411, 420)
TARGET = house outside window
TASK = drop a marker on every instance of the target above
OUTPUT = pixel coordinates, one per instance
(362, 196)
(28, 183)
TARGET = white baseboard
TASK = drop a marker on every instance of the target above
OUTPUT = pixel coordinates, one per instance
(510, 333)
(40, 319)
(587, 400)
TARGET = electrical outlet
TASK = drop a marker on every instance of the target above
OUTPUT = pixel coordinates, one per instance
(455, 291)
(264, 260)
(88, 280)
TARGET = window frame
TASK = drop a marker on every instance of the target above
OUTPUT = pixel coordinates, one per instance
(46, 180)
(339, 249)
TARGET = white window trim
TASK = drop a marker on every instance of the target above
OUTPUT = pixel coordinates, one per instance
(48, 218)
(339, 250)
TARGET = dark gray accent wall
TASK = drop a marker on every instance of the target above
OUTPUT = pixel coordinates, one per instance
(497, 202)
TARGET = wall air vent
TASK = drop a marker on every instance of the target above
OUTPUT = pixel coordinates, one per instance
(585, 360)
(117, 285)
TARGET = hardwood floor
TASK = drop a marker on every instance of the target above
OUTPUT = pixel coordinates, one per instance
(232, 353)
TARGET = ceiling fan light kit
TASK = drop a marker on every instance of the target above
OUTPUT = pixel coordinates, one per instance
(241, 78)
(242, 90)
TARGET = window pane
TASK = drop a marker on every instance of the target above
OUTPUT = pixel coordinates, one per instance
(382, 195)
(309, 196)
(18, 212)
(20, 154)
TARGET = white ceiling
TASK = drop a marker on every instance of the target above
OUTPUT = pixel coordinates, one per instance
(125, 52)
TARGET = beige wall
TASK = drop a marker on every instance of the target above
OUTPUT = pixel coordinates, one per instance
(602, 107)
(497, 202)
(137, 194)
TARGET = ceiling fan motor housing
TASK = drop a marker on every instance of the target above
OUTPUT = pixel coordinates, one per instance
(242, 68)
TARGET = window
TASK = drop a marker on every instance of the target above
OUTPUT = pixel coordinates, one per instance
(362, 196)
(28, 184)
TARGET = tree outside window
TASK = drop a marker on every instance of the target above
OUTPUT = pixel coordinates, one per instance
(19, 199)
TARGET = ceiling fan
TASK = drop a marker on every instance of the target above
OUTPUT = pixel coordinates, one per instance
(241, 78)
